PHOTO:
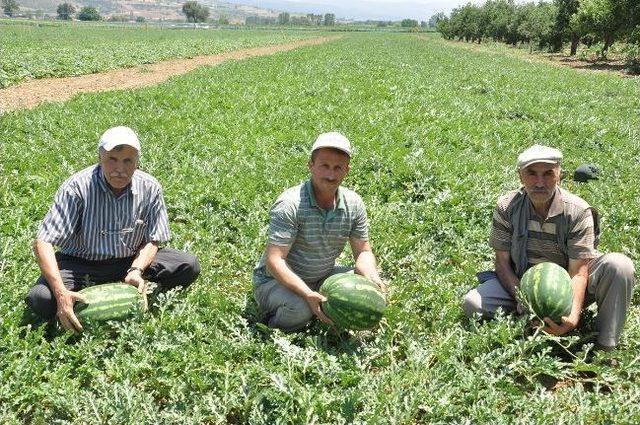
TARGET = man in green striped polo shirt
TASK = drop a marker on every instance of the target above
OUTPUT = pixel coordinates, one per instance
(308, 228)
(542, 222)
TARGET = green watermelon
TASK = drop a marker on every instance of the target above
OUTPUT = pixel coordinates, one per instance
(546, 289)
(111, 301)
(353, 301)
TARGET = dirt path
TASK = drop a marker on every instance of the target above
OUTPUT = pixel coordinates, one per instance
(34, 92)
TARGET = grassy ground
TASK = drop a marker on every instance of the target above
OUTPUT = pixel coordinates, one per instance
(67, 49)
(436, 130)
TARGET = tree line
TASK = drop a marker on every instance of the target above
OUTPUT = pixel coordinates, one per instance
(285, 18)
(549, 25)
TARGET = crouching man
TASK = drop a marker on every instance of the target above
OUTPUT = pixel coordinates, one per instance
(308, 229)
(542, 222)
(107, 221)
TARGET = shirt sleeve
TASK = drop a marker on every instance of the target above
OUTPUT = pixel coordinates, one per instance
(501, 229)
(360, 225)
(63, 219)
(283, 223)
(157, 229)
(581, 237)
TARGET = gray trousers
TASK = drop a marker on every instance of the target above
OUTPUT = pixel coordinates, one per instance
(169, 268)
(282, 308)
(610, 286)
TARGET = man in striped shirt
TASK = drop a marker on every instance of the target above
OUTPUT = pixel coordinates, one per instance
(542, 222)
(108, 221)
(308, 229)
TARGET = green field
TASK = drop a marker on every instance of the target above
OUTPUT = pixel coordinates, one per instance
(67, 49)
(436, 130)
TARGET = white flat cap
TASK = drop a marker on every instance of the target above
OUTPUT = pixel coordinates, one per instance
(539, 153)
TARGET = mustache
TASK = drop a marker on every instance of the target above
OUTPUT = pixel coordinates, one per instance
(117, 175)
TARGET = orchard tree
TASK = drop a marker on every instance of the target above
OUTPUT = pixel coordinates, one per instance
(329, 19)
(284, 18)
(602, 19)
(195, 12)
(89, 13)
(10, 7)
(433, 20)
(65, 11)
(409, 23)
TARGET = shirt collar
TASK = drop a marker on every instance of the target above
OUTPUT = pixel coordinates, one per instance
(556, 208)
(340, 201)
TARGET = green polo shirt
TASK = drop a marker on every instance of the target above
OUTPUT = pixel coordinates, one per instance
(316, 236)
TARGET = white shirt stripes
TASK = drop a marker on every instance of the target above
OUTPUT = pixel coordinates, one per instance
(316, 236)
(88, 221)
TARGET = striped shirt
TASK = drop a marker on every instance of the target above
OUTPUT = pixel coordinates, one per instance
(542, 240)
(316, 236)
(88, 221)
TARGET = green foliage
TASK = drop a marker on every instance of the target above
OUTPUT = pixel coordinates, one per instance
(409, 23)
(284, 18)
(10, 7)
(65, 11)
(329, 19)
(89, 13)
(436, 129)
(195, 12)
(546, 25)
(65, 49)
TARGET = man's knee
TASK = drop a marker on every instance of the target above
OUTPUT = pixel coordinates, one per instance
(620, 266)
(191, 269)
(472, 303)
(174, 268)
(293, 315)
(41, 301)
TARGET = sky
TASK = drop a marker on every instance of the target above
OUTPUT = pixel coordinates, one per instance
(364, 9)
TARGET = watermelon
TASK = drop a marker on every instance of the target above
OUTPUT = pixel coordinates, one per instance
(111, 301)
(353, 301)
(546, 289)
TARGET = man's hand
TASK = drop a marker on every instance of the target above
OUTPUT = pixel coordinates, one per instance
(315, 299)
(134, 277)
(65, 313)
(567, 324)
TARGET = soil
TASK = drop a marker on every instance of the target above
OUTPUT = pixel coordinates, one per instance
(32, 93)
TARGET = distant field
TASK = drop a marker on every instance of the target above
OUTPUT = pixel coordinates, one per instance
(38, 51)
(436, 130)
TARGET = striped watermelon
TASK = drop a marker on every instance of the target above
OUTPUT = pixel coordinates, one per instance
(546, 289)
(111, 301)
(353, 301)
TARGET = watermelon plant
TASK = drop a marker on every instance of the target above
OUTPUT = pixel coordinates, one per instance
(353, 301)
(69, 49)
(436, 129)
(545, 289)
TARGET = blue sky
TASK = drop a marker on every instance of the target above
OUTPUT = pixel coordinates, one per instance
(363, 9)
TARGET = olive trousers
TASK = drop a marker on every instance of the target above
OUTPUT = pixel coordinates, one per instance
(610, 286)
(284, 309)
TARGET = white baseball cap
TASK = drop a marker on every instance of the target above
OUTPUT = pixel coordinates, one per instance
(116, 136)
(333, 140)
(539, 153)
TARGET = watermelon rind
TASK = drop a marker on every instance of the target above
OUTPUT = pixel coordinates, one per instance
(546, 291)
(353, 301)
(111, 301)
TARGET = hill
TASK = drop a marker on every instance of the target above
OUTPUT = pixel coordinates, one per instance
(151, 9)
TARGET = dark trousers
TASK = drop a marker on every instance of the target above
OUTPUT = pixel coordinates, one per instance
(170, 268)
